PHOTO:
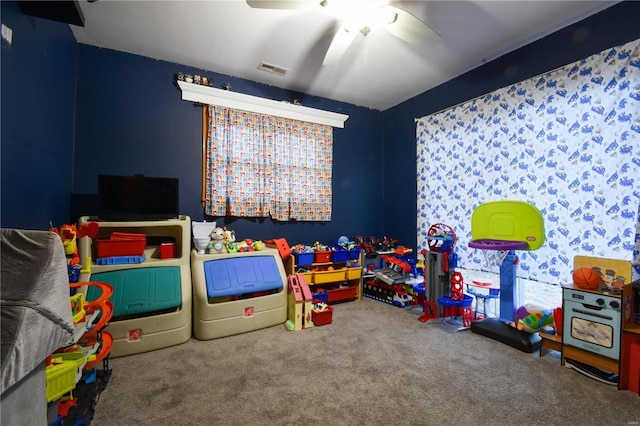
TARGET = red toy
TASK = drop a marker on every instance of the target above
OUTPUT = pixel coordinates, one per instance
(586, 278)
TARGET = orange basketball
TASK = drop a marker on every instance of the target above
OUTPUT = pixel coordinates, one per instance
(586, 278)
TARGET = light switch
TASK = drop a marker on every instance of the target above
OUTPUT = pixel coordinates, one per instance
(7, 34)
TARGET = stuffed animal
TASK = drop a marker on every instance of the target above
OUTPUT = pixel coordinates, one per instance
(230, 240)
(216, 245)
(532, 318)
(229, 235)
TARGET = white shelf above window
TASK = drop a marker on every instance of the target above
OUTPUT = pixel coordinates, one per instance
(226, 98)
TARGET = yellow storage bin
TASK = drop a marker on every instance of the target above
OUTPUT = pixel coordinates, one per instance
(328, 276)
(63, 373)
(353, 273)
(308, 277)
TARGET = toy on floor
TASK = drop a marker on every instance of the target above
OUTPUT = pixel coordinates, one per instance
(393, 294)
(533, 318)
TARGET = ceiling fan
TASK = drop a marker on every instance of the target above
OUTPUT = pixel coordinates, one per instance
(360, 16)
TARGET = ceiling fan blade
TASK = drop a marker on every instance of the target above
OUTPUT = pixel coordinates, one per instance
(282, 4)
(408, 27)
(340, 43)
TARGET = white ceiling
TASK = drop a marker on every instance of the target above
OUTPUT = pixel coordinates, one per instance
(378, 71)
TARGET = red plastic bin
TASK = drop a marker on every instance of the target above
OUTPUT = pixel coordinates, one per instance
(322, 317)
(322, 256)
(121, 244)
(341, 294)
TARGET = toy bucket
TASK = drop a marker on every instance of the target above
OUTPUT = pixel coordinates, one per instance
(69, 245)
(557, 319)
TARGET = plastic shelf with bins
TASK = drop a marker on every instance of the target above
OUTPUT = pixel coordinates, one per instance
(332, 278)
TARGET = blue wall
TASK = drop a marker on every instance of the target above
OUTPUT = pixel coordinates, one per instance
(131, 119)
(614, 26)
(38, 108)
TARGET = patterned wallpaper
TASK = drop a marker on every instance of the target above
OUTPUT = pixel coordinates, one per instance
(567, 142)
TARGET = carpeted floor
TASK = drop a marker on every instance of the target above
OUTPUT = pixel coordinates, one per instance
(373, 365)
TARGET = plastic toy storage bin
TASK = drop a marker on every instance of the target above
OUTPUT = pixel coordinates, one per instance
(322, 256)
(322, 317)
(321, 296)
(338, 254)
(303, 259)
(353, 273)
(328, 276)
(340, 294)
(121, 244)
(353, 254)
(308, 277)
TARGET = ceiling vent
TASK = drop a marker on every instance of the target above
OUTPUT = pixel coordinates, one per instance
(273, 68)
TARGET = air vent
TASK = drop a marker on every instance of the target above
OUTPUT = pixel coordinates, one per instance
(273, 68)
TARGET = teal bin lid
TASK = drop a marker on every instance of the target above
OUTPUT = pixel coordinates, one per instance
(140, 290)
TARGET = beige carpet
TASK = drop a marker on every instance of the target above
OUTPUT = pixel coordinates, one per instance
(374, 365)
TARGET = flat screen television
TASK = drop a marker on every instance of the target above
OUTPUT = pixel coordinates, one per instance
(138, 197)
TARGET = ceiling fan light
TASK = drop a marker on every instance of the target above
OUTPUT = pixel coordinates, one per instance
(390, 16)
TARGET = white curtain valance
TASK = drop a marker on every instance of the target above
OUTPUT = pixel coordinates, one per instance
(226, 98)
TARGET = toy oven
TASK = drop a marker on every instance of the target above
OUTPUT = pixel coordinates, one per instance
(591, 321)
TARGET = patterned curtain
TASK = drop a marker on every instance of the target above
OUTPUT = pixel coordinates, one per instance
(567, 142)
(260, 165)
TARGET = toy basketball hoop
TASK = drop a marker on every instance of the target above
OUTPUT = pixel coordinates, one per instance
(499, 228)
(506, 225)
(494, 251)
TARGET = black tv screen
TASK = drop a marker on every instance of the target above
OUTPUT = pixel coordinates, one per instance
(130, 198)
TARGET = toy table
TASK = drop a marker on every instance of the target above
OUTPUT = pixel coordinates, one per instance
(483, 291)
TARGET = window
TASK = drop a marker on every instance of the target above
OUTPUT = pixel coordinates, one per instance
(259, 165)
